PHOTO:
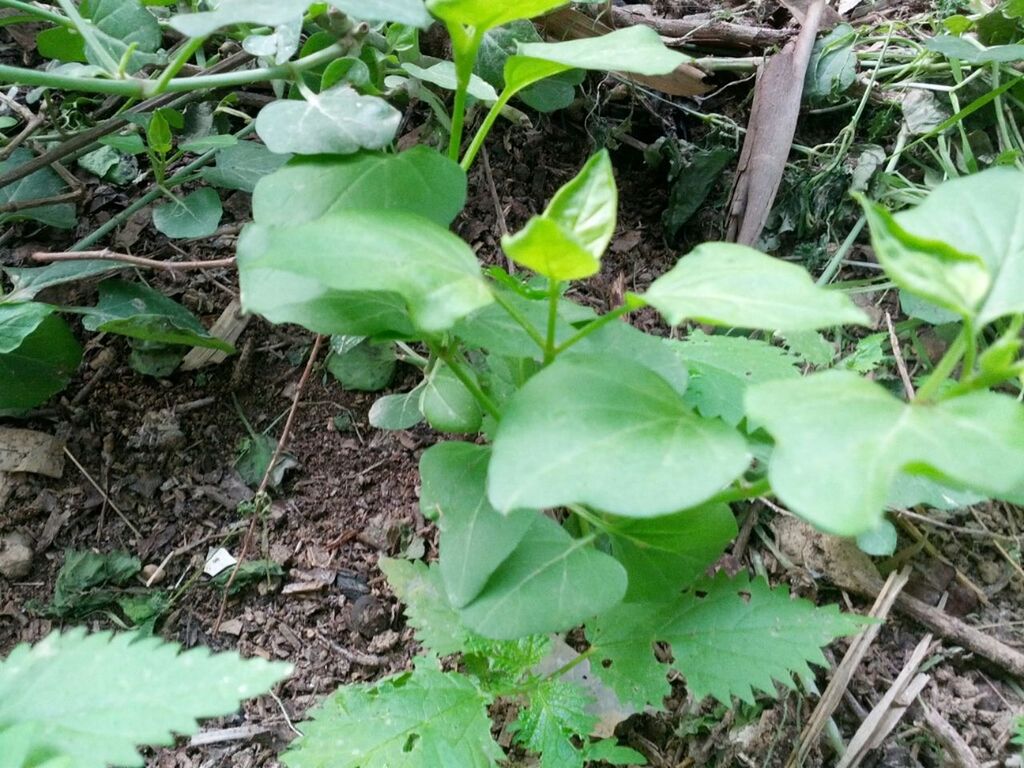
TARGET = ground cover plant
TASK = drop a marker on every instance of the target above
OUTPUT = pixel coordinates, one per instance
(584, 490)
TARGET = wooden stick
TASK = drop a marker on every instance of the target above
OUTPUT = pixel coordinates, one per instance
(135, 261)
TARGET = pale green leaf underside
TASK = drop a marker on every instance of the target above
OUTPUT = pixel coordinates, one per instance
(360, 273)
(626, 443)
(737, 287)
(271, 13)
(841, 442)
(424, 719)
(95, 698)
(638, 50)
(443, 75)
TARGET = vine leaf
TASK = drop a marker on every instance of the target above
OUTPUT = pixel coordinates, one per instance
(627, 443)
(475, 538)
(728, 637)
(423, 719)
(737, 287)
(840, 478)
(93, 698)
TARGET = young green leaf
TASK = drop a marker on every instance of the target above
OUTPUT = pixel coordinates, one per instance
(419, 180)
(360, 273)
(138, 311)
(338, 121)
(38, 355)
(242, 165)
(989, 216)
(475, 538)
(735, 286)
(664, 554)
(423, 719)
(443, 75)
(39, 185)
(840, 478)
(94, 698)
(197, 214)
(427, 609)
(487, 14)
(551, 582)
(606, 432)
(447, 405)
(396, 412)
(728, 637)
(567, 241)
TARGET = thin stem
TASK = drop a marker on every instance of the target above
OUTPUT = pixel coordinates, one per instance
(467, 381)
(179, 61)
(485, 128)
(570, 665)
(590, 328)
(466, 46)
(970, 353)
(520, 318)
(136, 261)
(927, 391)
(742, 492)
(85, 29)
(550, 344)
(39, 13)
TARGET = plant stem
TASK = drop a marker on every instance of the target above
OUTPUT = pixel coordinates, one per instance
(550, 344)
(755, 490)
(465, 46)
(140, 89)
(179, 61)
(568, 666)
(485, 128)
(927, 391)
(467, 381)
(590, 328)
(39, 13)
(520, 318)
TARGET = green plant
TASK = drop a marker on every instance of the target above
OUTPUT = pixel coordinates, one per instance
(87, 701)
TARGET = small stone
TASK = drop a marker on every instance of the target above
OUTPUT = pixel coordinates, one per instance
(384, 642)
(15, 556)
(369, 616)
(231, 627)
(153, 574)
(990, 571)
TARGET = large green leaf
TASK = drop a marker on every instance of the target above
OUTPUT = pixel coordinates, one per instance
(567, 241)
(138, 311)
(197, 214)
(28, 282)
(937, 243)
(123, 25)
(475, 538)
(242, 165)
(411, 12)
(607, 432)
(41, 184)
(447, 404)
(638, 50)
(424, 719)
(664, 554)
(551, 582)
(94, 698)
(270, 13)
(486, 14)
(360, 273)
(420, 180)
(735, 286)
(38, 355)
(841, 441)
(338, 121)
(728, 637)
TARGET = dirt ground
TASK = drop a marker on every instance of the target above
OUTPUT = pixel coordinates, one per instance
(163, 453)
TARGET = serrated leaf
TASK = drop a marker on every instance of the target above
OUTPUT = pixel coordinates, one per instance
(423, 719)
(989, 218)
(337, 121)
(475, 538)
(242, 165)
(840, 478)
(360, 273)
(38, 185)
(603, 431)
(728, 638)
(427, 609)
(39, 356)
(137, 311)
(197, 214)
(722, 367)
(550, 582)
(663, 555)
(94, 698)
(737, 287)
(419, 180)
(555, 714)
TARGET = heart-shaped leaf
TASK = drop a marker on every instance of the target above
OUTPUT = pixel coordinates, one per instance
(38, 355)
(337, 121)
(360, 273)
(39, 185)
(550, 582)
(841, 442)
(195, 215)
(420, 180)
(242, 165)
(475, 538)
(605, 432)
(737, 287)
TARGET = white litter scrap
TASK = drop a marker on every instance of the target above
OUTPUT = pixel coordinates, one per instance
(218, 561)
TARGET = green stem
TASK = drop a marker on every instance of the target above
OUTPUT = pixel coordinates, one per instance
(141, 89)
(179, 61)
(39, 13)
(741, 492)
(466, 46)
(485, 128)
(520, 318)
(940, 375)
(568, 666)
(550, 344)
(87, 32)
(970, 353)
(588, 329)
(467, 381)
